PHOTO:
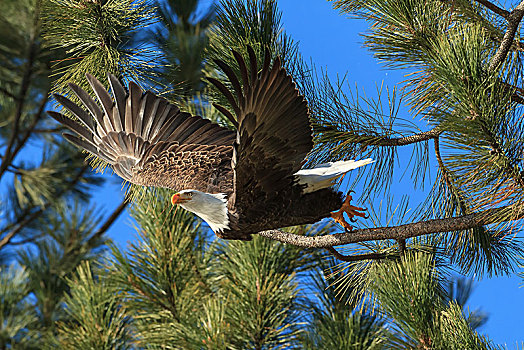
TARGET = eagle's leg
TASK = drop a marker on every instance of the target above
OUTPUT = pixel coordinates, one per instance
(349, 209)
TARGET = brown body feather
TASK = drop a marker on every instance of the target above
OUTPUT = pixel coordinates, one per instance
(149, 142)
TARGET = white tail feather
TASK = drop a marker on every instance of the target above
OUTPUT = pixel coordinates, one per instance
(325, 175)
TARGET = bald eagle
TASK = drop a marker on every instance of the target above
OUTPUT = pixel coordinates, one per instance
(240, 182)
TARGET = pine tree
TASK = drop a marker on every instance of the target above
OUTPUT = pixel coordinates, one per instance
(48, 227)
(176, 286)
(182, 39)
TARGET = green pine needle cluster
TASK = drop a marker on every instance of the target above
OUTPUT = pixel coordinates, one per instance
(97, 37)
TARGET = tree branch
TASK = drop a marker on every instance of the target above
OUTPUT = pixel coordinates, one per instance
(8, 94)
(416, 229)
(7, 238)
(401, 246)
(31, 127)
(27, 218)
(514, 19)
(408, 140)
(24, 88)
(110, 220)
(359, 257)
(398, 141)
(441, 164)
(494, 8)
(445, 174)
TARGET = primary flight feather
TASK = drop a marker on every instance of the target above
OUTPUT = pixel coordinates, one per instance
(240, 182)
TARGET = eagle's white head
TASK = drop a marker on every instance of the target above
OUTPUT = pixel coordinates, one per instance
(212, 208)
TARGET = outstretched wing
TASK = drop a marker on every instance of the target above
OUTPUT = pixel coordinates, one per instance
(274, 131)
(149, 141)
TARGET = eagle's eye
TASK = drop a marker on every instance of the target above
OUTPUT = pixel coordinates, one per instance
(190, 194)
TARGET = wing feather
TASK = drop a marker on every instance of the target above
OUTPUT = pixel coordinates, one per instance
(147, 140)
(119, 93)
(78, 112)
(274, 132)
(228, 95)
(88, 147)
(105, 99)
(92, 107)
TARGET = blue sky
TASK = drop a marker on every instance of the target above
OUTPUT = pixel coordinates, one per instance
(332, 41)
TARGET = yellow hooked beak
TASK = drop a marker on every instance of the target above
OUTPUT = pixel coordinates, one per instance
(179, 198)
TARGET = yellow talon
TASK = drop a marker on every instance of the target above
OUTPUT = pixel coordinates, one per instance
(349, 209)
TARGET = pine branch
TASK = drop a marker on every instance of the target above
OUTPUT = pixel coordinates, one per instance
(489, 216)
(514, 19)
(24, 89)
(8, 94)
(110, 220)
(408, 140)
(359, 257)
(29, 217)
(517, 45)
(494, 8)
(32, 126)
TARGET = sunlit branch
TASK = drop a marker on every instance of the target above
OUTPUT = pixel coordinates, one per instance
(494, 8)
(514, 19)
(398, 141)
(489, 216)
(408, 140)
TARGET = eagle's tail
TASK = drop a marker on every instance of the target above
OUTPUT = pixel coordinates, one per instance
(325, 175)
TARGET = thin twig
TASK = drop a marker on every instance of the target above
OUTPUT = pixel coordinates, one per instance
(514, 19)
(489, 216)
(24, 88)
(8, 94)
(359, 257)
(398, 141)
(110, 220)
(441, 165)
(7, 238)
(445, 174)
(31, 127)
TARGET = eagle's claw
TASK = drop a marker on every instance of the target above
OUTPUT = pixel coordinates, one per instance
(349, 209)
